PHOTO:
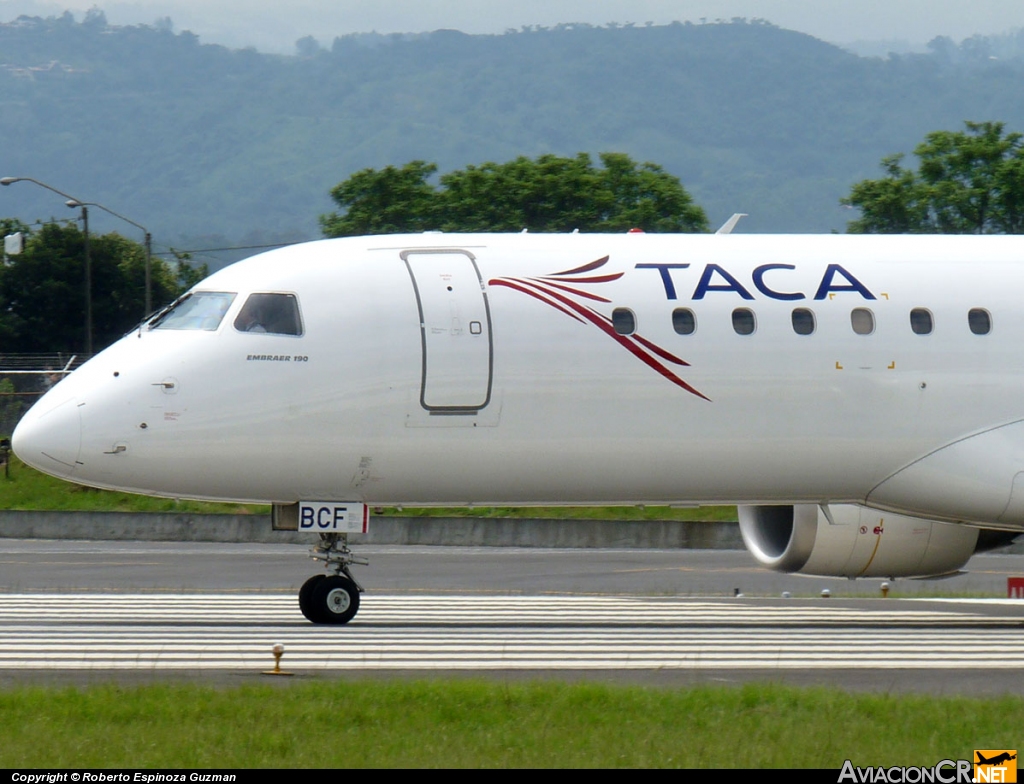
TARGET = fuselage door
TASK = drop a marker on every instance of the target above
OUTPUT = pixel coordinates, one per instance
(455, 330)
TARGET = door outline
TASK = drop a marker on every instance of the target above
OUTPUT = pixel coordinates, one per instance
(454, 410)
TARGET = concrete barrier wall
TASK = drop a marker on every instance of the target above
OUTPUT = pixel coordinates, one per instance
(467, 531)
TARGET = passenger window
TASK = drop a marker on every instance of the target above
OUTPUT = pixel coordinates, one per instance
(803, 321)
(743, 321)
(684, 321)
(980, 321)
(863, 321)
(921, 321)
(273, 314)
(624, 321)
(203, 310)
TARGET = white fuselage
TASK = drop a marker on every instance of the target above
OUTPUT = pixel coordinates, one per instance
(409, 386)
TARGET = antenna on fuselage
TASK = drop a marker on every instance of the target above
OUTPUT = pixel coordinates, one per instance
(730, 224)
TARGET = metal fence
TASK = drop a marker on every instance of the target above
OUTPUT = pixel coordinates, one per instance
(24, 378)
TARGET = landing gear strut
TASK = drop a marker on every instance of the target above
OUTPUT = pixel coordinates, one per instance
(333, 597)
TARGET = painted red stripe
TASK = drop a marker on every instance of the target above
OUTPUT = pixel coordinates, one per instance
(586, 294)
(586, 267)
(660, 351)
(535, 295)
(604, 323)
(593, 279)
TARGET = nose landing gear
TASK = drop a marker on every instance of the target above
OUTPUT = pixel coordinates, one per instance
(334, 597)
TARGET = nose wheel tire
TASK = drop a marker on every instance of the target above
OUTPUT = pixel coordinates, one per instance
(329, 599)
(306, 597)
(333, 597)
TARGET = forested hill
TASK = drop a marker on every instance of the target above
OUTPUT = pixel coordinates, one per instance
(192, 139)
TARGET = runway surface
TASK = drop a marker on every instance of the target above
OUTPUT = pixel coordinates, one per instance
(81, 612)
(46, 566)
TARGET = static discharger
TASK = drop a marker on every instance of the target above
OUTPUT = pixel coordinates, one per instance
(278, 651)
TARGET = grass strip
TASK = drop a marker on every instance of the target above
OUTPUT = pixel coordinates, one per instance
(459, 723)
(28, 489)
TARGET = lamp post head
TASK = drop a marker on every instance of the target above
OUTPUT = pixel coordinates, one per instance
(8, 180)
(73, 203)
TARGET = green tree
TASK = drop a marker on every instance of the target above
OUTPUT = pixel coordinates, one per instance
(119, 285)
(42, 290)
(546, 194)
(8, 329)
(12, 406)
(549, 194)
(647, 197)
(188, 274)
(390, 201)
(967, 182)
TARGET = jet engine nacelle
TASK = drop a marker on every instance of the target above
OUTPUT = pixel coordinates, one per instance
(861, 543)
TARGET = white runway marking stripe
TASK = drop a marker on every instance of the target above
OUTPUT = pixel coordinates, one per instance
(164, 631)
(554, 611)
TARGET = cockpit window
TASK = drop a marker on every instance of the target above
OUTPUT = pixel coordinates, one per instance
(274, 314)
(199, 310)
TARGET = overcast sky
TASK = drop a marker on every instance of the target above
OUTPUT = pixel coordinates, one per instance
(271, 25)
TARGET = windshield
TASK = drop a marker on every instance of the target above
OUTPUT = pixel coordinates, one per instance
(198, 310)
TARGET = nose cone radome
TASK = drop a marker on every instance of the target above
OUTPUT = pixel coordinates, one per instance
(50, 440)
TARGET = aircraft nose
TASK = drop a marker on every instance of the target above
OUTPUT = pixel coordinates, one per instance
(50, 440)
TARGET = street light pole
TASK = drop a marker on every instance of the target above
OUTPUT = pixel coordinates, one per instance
(148, 242)
(71, 202)
(149, 281)
(88, 282)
